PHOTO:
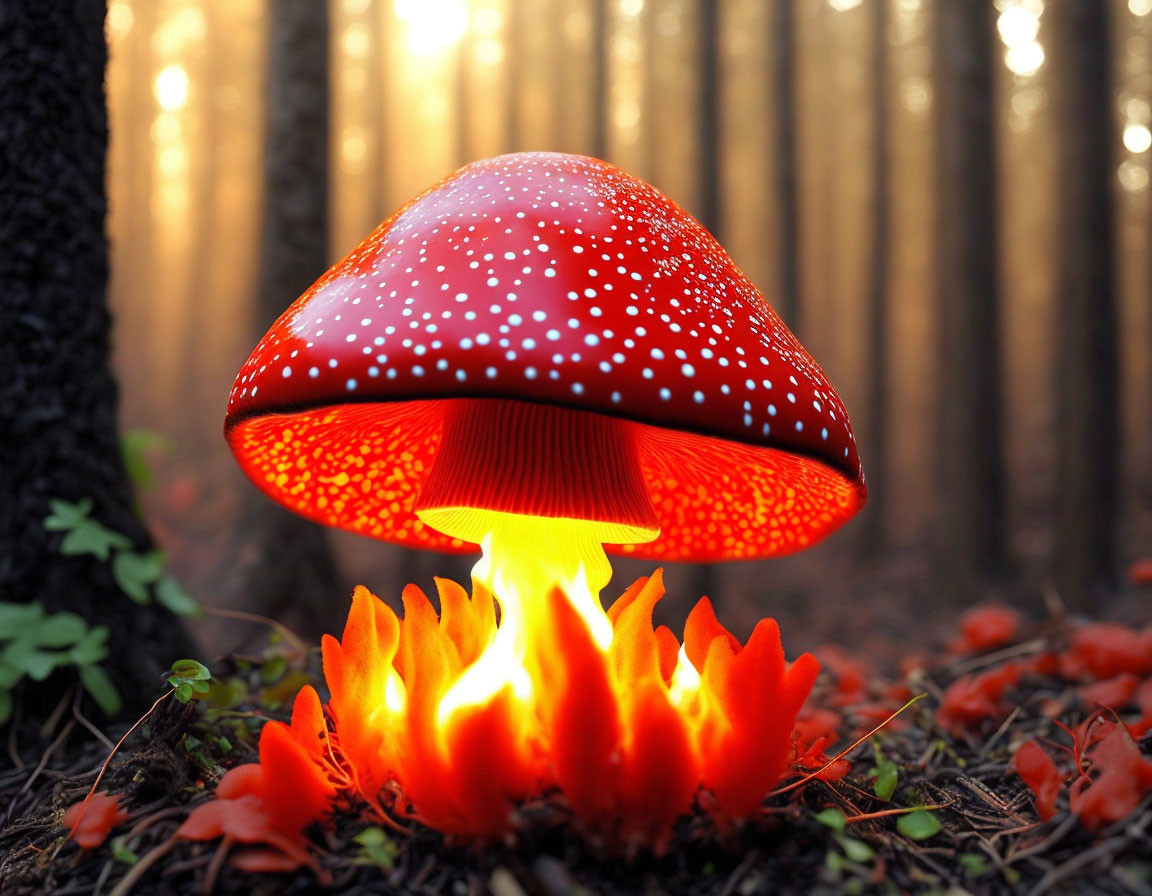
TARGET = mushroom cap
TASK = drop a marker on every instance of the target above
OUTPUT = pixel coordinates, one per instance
(557, 279)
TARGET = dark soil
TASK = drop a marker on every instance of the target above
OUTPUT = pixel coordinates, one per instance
(990, 839)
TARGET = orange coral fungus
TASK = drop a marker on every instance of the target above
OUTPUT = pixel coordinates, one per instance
(630, 734)
(91, 820)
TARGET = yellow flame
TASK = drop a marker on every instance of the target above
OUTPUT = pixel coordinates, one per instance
(524, 558)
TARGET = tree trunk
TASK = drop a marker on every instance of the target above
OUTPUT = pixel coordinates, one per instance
(783, 92)
(57, 394)
(1086, 487)
(708, 116)
(876, 417)
(292, 573)
(971, 536)
(599, 78)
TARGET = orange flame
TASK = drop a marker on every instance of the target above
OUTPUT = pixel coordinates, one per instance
(631, 732)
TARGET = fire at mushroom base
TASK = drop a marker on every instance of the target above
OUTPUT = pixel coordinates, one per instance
(628, 735)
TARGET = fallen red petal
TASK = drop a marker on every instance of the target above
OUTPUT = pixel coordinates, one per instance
(90, 821)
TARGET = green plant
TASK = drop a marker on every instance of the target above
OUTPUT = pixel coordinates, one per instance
(189, 678)
(34, 643)
(140, 575)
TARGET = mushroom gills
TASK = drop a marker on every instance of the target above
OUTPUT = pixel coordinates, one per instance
(499, 456)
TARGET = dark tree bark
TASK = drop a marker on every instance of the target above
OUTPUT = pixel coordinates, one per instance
(1087, 483)
(971, 536)
(292, 572)
(876, 419)
(783, 94)
(57, 394)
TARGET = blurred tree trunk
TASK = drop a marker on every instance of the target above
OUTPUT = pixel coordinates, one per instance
(1087, 485)
(291, 572)
(971, 533)
(783, 91)
(57, 394)
(599, 78)
(708, 116)
(513, 68)
(705, 577)
(876, 414)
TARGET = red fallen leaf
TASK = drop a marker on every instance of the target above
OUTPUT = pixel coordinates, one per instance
(1114, 693)
(1104, 650)
(1038, 770)
(986, 627)
(974, 699)
(850, 675)
(1047, 665)
(815, 724)
(1140, 572)
(262, 861)
(1123, 779)
(815, 758)
(90, 821)
(1143, 701)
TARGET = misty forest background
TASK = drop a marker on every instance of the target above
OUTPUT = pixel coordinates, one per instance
(948, 202)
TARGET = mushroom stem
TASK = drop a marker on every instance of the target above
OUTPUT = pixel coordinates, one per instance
(499, 457)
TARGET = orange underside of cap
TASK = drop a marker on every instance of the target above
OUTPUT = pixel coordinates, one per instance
(362, 467)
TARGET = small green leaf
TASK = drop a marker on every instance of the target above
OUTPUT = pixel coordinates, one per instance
(121, 852)
(97, 683)
(90, 537)
(15, 619)
(376, 847)
(974, 864)
(5, 706)
(92, 648)
(61, 629)
(273, 669)
(183, 692)
(831, 818)
(37, 664)
(857, 850)
(66, 516)
(134, 572)
(171, 595)
(224, 744)
(190, 670)
(9, 674)
(887, 777)
(918, 825)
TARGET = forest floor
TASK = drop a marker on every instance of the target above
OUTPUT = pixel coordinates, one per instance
(932, 802)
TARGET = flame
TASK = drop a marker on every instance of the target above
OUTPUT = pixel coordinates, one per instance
(455, 719)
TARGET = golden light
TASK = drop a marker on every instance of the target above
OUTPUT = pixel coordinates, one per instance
(120, 18)
(356, 40)
(631, 7)
(843, 5)
(1025, 59)
(1133, 176)
(1137, 137)
(1140, 7)
(171, 87)
(1018, 25)
(433, 25)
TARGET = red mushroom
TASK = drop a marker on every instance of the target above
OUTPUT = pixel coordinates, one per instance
(544, 335)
